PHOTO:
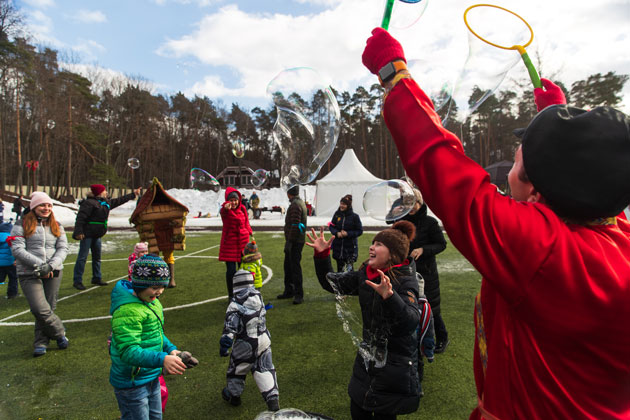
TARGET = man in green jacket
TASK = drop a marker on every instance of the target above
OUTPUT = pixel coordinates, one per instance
(294, 235)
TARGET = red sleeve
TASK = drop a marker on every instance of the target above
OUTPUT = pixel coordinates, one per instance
(505, 240)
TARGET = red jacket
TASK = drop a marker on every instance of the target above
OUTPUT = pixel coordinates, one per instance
(236, 230)
(555, 298)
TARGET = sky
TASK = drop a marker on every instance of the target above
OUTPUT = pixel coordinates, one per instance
(229, 51)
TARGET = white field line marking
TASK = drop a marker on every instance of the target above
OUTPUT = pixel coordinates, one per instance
(192, 255)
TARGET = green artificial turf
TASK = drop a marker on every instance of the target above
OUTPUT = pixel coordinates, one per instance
(312, 354)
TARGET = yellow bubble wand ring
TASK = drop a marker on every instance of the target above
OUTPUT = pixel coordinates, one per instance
(533, 74)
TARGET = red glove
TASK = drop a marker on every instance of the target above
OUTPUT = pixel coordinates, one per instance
(380, 49)
(552, 95)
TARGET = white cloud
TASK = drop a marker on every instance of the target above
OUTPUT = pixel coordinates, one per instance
(89, 16)
(88, 49)
(40, 4)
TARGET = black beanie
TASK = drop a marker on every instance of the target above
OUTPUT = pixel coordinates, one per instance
(579, 160)
(294, 190)
(397, 240)
(347, 200)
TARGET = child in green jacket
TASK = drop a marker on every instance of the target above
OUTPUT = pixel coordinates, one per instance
(139, 349)
(252, 262)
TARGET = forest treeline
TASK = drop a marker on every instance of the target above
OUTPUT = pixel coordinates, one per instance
(82, 130)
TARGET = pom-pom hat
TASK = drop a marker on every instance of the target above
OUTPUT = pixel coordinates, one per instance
(347, 200)
(141, 247)
(150, 270)
(579, 160)
(397, 240)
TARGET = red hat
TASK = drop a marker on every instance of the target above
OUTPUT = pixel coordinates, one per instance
(97, 189)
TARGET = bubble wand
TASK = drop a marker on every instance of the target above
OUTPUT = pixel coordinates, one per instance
(533, 74)
(387, 14)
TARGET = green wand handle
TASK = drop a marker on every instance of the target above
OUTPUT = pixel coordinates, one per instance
(387, 15)
(533, 74)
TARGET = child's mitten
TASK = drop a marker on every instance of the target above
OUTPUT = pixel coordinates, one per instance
(225, 344)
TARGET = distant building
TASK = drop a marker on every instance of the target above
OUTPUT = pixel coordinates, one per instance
(229, 177)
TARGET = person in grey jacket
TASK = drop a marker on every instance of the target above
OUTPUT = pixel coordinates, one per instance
(40, 246)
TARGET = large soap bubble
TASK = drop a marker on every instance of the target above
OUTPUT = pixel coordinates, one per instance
(290, 414)
(406, 13)
(307, 126)
(203, 181)
(133, 163)
(259, 177)
(238, 148)
(389, 200)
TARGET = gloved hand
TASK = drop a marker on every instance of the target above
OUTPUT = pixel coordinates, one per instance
(188, 359)
(551, 95)
(43, 270)
(225, 342)
(380, 49)
(301, 227)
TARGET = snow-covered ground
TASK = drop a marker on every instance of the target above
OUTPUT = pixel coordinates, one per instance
(205, 202)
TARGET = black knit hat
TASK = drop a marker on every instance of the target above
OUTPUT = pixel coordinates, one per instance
(242, 279)
(294, 190)
(579, 160)
(397, 239)
(347, 200)
(150, 270)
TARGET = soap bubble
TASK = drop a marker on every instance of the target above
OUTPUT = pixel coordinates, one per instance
(259, 177)
(203, 181)
(406, 13)
(51, 124)
(238, 148)
(290, 414)
(307, 126)
(389, 200)
(486, 66)
(133, 163)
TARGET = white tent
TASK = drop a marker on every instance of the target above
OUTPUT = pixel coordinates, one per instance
(348, 177)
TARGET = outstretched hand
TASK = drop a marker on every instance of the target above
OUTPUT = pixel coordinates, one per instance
(173, 365)
(319, 244)
(384, 288)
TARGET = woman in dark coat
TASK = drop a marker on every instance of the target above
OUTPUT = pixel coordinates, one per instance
(235, 234)
(428, 242)
(384, 380)
(345, 227)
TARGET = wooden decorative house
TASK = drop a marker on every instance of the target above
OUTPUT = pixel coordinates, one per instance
(160, 220)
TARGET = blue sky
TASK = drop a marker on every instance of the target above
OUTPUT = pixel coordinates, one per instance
(230, 50)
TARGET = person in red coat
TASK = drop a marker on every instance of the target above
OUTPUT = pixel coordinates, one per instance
(235, 234)
(552, 318)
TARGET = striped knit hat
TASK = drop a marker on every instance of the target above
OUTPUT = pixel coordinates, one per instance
(242, 279)
(150, 270)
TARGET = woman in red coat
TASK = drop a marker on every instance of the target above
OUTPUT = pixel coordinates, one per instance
(235, 234)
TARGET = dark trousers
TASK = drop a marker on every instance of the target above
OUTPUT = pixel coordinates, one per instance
(293, 268)
(11, 272)
(229, 274)
(441, 335)
(358, 413)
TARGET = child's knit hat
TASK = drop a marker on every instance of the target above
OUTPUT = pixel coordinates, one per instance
(150, 270)
(141, 247)
(242, 279)
(397, 240)
(250, 248)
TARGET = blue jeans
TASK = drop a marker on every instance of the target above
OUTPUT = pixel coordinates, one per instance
(142, 402)
(87, 245)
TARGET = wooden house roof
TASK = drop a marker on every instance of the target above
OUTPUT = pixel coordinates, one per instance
(155, 195)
